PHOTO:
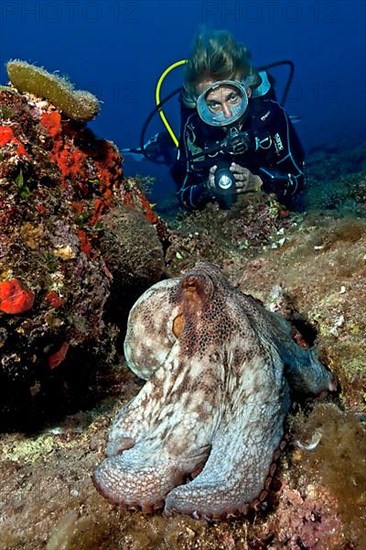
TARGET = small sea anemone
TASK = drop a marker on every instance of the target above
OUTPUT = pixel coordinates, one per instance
(14, 298)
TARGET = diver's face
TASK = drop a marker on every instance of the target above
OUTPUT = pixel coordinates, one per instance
(222, 99)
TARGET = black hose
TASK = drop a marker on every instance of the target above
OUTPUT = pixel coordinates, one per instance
(289, 78)
(148, 120)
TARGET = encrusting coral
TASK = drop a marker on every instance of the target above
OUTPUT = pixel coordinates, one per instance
(77, 104)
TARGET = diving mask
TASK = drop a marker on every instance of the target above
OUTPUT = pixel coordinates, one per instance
(222, 109)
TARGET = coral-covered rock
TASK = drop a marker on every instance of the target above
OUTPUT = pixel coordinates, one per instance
(143, 260)
(59, 186)
(216, 235)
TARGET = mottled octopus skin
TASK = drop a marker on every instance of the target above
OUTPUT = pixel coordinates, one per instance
(219, 370)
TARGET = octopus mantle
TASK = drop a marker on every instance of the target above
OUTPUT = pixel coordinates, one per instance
(219, 370)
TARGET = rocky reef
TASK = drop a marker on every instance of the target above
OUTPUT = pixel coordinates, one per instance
(337, 179)
(60, 189)
(78, 243)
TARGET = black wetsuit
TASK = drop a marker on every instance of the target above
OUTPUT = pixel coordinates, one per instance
(273, 152)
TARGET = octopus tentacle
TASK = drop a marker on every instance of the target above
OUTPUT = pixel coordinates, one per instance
(126, 480)
(237, 468)
(173, 383)
(131, 423)
(142, 476)
(167, 445)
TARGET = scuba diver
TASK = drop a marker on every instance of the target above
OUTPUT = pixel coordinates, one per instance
(235, 136)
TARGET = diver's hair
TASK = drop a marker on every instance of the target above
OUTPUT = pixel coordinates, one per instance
(216, 55)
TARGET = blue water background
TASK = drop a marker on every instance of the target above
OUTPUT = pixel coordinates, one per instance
(118, 49)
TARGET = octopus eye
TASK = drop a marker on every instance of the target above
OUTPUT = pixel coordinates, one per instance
(178, 325)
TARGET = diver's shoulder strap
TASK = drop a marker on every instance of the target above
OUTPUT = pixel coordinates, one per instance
(264, 87)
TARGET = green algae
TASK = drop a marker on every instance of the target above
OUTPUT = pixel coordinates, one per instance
(28, 450)
(76, 104)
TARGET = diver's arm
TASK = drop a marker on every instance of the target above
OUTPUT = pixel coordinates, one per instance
(195, 196)
(282, 163)
(284, 184)
(192, 193)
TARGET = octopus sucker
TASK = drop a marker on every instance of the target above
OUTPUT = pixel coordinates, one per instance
(203, 434)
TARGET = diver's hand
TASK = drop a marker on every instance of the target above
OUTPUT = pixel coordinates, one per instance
(210, 183)
(244, 179)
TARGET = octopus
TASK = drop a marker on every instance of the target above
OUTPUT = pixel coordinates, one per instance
(202, 435)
